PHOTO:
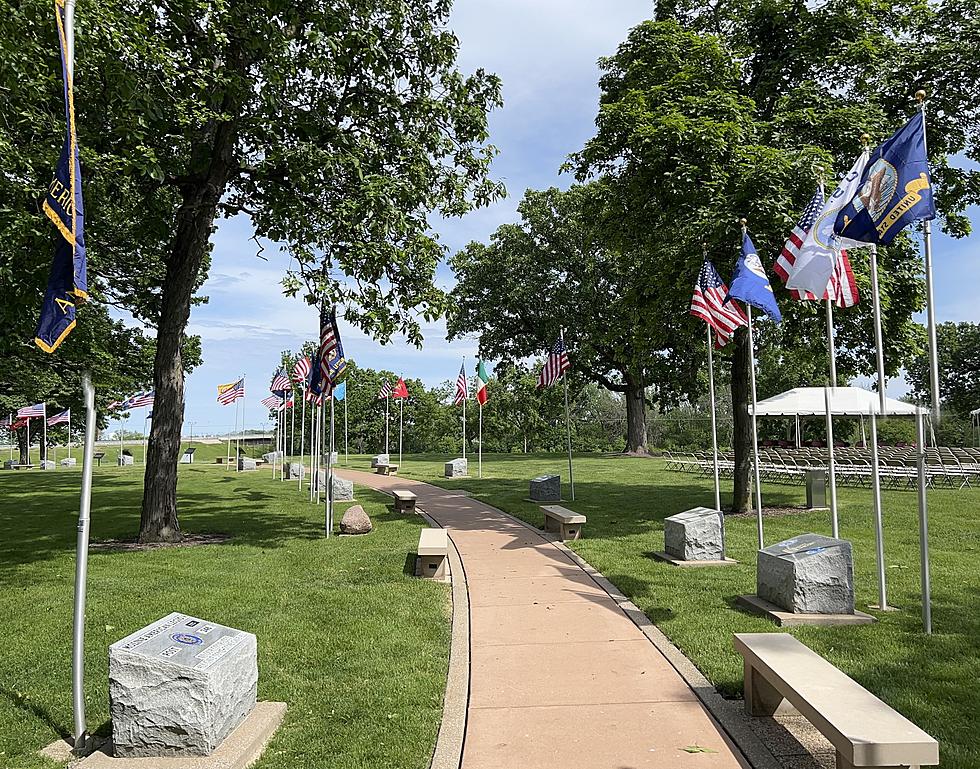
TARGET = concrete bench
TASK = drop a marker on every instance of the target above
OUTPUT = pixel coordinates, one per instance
(404, 500)
(863, 730)
(386, 470)
(566, 523)
(433, 554)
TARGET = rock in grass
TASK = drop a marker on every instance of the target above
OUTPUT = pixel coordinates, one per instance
(355, 521)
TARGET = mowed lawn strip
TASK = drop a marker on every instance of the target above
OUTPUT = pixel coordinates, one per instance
(356, 646)
(931, 680)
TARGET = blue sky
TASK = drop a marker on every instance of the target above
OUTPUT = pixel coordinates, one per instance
(545, 53)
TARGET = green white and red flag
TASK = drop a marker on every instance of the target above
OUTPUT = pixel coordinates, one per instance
(482, 394)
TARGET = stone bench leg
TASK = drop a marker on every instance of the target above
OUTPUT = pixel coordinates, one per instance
(550, 524)
(570, 531)
(761, 697)
(431, 566)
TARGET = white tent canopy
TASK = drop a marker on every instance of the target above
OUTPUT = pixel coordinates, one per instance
(844, 401)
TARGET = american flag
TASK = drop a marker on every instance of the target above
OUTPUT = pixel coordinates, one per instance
(842, 288)
(385, 390)
(302, 369)
(229, 393)
(556, 364)
(272, 402)
(142, 399)
(329, 341)
(58, 419)
(29, 412)
(280, 382)
(708, 303)
(462, 393)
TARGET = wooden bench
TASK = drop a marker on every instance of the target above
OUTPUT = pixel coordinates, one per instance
(433, 554)
(404, 500)
(566, 523)
(863, 729)
(386, 470)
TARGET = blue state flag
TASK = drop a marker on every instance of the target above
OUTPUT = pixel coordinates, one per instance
(340, 391)
(750, 283)
(895, 190)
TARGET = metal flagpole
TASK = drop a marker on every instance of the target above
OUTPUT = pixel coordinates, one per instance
(81, 563)
(313, 455)
(466, 392)
(292, 424)
(930, 299)
(43, 454)
(877, 317)
(328, 523)
(319, 447)
(28, 440)
(831, 348)
(480, 447)
(302, 436)
(387, 420)
(834, 527)
(755, 431)
(401, 426)
(879, 531)
(345, 428)
(568, 425)
(923, 525)
(714, 437)
(239, 406)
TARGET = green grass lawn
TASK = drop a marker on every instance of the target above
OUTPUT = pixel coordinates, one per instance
(932, 680)
(355, 646)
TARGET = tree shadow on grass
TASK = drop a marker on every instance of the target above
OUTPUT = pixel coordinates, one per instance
(38, 711)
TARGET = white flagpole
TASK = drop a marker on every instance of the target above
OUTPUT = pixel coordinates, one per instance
(81, 563)
(302, 436)
(313, 455)
(923, 526)
(145, 412)
(69, 433)
(714, 436)
(879, 530)
(834, 526)
(480, 460)
(568, 425)
(292, 424)
(387, 420)
(831, 348)
(345, 426)
(879, 346)
(930, 299)
(43, 455)
(401, 426)
(319, 448)
(239, 405)
(228, 444)
(465, 395)
(28, 440)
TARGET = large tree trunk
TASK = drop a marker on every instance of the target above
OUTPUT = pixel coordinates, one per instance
(636, 416)
(195, 219)
(742, 427)
(23, 448)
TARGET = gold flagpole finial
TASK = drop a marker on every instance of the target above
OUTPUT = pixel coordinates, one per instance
(920, 95)
(865, 139)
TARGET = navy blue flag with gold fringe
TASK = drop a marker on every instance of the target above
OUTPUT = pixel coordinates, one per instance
(68, 281)
(895, 191)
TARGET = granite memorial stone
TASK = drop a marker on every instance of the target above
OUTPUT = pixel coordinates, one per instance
(69, 462)
(694, 535)
(272, 456)
(179, 686)
(355, 521)
(124, 459)
(48, 464)
(809, 574)
(247, 463)
(295, 470)
(457, 468)
(343, 490)
(546, 488)
(9, 464)
(380, 459)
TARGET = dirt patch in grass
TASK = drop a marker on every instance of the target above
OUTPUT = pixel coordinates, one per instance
(131, 545)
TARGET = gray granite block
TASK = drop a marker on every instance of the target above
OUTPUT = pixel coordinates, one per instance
(808, 574)
(456, 468)
(546, 488)
(694, 535)
(179, 686)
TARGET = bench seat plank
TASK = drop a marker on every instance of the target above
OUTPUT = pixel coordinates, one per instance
(433, 542)
(864, 730)
(563, 514)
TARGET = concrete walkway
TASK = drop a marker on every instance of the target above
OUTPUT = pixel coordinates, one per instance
(560, 677)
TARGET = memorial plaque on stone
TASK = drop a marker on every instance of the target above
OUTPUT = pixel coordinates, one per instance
(694, 535)
(546, 488)
(456, 468)
(808, 574)
(69, 462)
(343, 490)
(380, 459)
(179, 686)
(247, 463)
(124, 459)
